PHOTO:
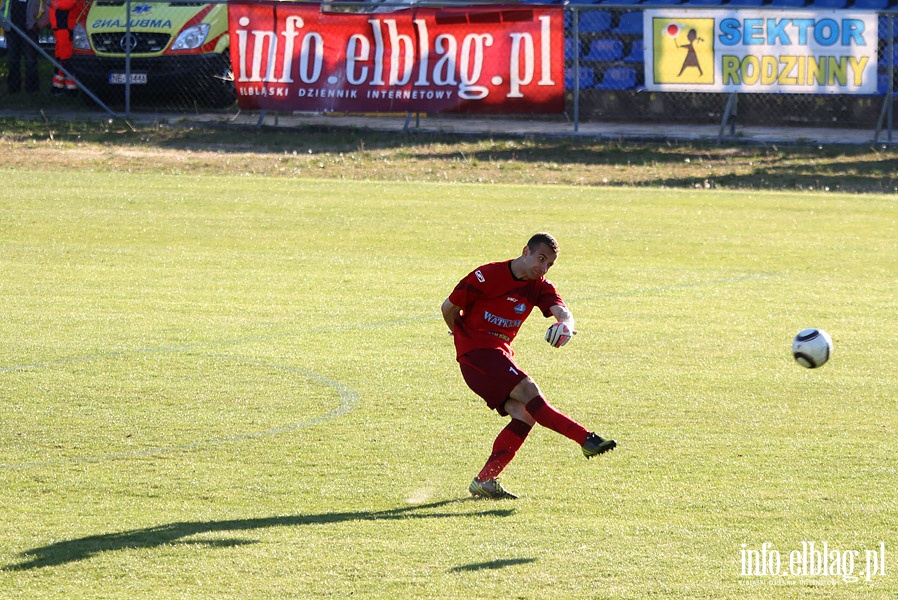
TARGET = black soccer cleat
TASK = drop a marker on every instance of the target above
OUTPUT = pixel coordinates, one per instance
(595, 445)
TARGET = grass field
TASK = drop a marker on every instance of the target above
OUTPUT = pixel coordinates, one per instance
(240, 386)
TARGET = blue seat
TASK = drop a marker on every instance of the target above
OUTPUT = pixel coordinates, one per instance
(595, 21)
(786, 3)
(630, 23)
(746, 2)
(605, 50)
(882, 83)
(884, 61)
(637, 52)
(829, 4)
(571, 48)
(587, 78)
(661, 2)
(620, 2)
(884, 27)
(871, 4)
(704, 2)
(618, 78)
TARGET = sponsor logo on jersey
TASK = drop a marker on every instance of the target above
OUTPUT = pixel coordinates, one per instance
(479, 276)
(520, 308)
(500, 321)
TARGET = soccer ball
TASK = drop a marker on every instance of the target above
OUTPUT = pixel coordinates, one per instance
(812, 348)
(559, 334)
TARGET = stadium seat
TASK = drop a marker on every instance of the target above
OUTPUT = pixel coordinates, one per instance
(871, 4)
(703, 2)
(571, 48)
(745, 2)
(661, 2)
(637, 52)
(618, 78)
(630, 23)
(882, 83)
(884, 27)
(620, 2)
(605, 50)
(884, 61)
(829, 4)
(595, 21)
(587, 78)
(786, 3)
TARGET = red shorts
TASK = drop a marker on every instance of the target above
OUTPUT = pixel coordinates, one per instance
(491, 374)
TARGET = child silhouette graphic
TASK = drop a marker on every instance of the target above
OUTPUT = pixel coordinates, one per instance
(691, 59)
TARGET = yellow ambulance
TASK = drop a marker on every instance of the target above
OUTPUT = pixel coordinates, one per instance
(178, 51)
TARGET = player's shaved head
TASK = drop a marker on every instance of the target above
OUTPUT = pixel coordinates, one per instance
(543, 238)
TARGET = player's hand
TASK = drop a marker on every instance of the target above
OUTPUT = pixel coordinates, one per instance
(559, 334)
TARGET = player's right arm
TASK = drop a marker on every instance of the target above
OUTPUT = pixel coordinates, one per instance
(451, 314)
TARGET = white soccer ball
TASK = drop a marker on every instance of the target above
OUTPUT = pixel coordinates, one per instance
(812, 348)
(559, 334)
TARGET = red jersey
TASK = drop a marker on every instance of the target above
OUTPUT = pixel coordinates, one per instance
(495, 305)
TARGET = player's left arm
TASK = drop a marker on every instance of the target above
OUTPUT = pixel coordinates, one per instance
(560, 332)
(563, 314)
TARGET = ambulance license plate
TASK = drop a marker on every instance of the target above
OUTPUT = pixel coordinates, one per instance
(121, 78)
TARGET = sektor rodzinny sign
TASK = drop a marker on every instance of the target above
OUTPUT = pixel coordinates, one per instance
(745, 51)
(475, 60)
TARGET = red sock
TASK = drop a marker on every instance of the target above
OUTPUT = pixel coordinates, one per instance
(504, 448)
(546, 415)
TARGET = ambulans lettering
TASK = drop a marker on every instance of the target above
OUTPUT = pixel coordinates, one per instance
(120, 24)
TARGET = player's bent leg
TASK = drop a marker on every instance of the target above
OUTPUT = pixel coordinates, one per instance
(548, 416)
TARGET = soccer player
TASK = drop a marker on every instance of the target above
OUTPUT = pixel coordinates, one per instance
(484, 313)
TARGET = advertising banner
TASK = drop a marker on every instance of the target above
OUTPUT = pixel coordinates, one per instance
(749, 51)
(484, 59)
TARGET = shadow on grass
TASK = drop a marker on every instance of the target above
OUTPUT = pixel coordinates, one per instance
(69, 551)
(493, 564)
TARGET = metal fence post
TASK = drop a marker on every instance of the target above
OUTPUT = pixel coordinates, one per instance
(128, 44)
(575, 21)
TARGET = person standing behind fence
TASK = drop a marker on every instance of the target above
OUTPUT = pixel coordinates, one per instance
(63, 15)
(30, 16)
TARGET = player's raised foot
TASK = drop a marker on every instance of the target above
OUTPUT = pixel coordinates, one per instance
(491, 488)
(595, 445)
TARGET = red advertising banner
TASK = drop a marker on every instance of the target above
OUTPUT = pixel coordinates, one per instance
(484, 59)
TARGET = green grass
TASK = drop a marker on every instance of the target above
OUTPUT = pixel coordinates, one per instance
(240, 386)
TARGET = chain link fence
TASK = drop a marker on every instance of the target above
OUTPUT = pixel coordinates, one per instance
(605, 51)
(147, 55)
